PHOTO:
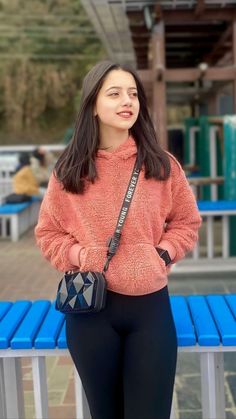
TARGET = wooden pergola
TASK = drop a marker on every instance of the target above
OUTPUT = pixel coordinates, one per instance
(184, 50)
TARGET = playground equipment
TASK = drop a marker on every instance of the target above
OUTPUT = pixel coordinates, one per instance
(210, 160)
(204, 154)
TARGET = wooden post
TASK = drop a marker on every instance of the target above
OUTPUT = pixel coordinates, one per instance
(159, 86)
(213, 104)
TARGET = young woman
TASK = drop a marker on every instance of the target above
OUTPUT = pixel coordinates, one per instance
(126, 353)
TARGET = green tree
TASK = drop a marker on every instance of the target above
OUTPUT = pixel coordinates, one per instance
(46, 47)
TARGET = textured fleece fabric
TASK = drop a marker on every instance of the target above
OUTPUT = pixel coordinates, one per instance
(160, 210)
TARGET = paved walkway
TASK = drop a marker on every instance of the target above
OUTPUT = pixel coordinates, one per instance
(26, 275)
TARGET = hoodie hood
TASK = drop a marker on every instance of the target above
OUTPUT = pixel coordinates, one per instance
(123, 151)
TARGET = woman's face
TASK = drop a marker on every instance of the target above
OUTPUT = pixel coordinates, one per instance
(117, 104)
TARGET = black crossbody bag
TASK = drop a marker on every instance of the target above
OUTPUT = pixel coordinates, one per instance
(85, 292)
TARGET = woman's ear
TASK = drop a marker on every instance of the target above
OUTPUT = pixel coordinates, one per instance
(95, 111)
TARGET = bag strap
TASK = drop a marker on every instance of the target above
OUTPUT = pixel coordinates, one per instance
(114, 241)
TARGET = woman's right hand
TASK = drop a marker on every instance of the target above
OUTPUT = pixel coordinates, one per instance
(74, 254)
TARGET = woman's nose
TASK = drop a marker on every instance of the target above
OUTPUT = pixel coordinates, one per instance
(127, 100)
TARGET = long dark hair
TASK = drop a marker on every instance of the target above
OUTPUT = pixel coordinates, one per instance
(77, 162)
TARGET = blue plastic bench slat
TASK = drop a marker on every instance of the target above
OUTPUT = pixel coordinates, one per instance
(61, 341)
(24, 336)
(11, 320)
(14, 208)
(216, 205)
(224, 319)
(183, 323)
(212, 317)
(50, 328)
(4, 307)
(36, 198)
(205, 327)
(231, 300)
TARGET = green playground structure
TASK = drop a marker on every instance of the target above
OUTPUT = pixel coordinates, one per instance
(210, 152)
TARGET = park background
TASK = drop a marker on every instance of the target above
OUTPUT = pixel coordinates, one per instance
(46, 48)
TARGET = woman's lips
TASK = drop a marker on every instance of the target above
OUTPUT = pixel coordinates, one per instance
(125, 115)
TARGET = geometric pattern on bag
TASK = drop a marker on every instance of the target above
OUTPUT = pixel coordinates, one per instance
(77, 291)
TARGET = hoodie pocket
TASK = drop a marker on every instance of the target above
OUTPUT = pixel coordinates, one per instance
(148, 261)
(134, 265)
(135, 268)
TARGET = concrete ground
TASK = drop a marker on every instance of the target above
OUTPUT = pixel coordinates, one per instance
(26, 275)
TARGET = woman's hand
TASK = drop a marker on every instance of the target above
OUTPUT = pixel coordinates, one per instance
(74, 254)
(166, 245)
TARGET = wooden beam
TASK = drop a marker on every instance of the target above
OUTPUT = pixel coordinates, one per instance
(192, 74)
(210, 57)
(196, 46)
(192, 36)
(220, 73)
(200, 7)
(139, 28)
(212, 73)
(209, 15)
(194, 30)
(159, 86)
(182, 74)
(140, 36)
(177, 95)
(145, 75)
(140, 46)
(173, 14)
(212, 102)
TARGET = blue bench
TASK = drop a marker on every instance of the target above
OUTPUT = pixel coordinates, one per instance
(204, 324)
(221, 206)
(16, 219)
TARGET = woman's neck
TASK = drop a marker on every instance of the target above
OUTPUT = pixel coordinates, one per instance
(110, 141)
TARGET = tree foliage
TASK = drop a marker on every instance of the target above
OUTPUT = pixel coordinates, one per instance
(46, 47)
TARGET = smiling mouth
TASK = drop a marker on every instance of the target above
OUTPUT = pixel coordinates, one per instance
(125, 114)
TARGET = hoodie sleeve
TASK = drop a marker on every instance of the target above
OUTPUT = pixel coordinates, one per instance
(184, 220)
(55, 243)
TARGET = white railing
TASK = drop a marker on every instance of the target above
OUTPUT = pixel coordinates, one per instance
(12, 405)
(210, 237)
(9, 157)
(30, 147)
(8, 164)
(6, 188)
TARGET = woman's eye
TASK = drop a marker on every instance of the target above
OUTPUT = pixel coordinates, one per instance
(131, 94)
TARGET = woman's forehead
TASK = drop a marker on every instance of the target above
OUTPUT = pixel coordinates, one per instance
(119, 78)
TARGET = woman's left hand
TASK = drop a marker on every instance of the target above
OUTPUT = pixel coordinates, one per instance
(166, 245)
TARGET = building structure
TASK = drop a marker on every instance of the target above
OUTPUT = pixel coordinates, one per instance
(184, 50)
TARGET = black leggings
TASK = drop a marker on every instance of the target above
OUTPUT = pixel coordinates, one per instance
(126, 356)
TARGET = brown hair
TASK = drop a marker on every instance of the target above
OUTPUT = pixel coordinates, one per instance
(77, 162)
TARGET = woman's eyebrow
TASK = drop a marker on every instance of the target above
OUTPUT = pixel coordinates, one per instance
(119, 87)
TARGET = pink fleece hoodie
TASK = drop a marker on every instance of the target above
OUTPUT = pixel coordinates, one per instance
(72, 230)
